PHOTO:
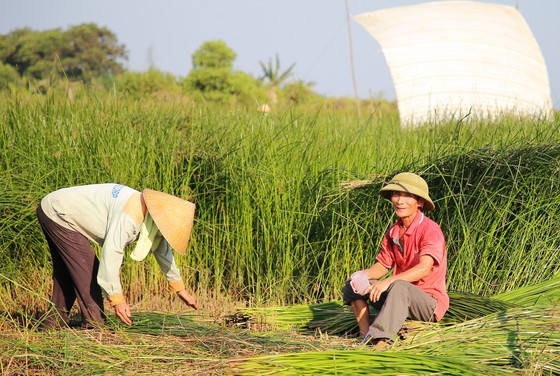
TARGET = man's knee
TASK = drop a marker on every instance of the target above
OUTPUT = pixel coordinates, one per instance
(348, 294)
(399, 285)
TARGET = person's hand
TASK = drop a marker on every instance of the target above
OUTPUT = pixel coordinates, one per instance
(123, 312)
(377, 289)
(187, 299)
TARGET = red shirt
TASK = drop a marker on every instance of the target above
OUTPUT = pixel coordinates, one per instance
(423, 237)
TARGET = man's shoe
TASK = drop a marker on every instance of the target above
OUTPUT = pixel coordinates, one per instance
(367, 339)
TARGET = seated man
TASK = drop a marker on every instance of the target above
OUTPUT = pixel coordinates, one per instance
(414, 249)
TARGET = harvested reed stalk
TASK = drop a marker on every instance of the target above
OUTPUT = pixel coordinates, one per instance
(356, 362)
(546, 292)
(336, 319)
(506, 342)
(464, 306)
(353, 184)
(521, 338)
(296, 317)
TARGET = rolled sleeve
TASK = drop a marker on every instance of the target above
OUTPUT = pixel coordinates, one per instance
(176, 286)
(117, 298)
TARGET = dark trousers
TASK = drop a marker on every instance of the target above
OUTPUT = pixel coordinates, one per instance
(75, 267)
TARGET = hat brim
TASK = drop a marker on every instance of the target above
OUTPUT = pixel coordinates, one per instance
(392, 187)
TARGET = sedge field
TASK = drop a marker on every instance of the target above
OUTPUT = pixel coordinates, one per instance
(287, 209)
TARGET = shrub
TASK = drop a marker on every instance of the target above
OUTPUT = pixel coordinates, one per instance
(9, 77)
(139, 84)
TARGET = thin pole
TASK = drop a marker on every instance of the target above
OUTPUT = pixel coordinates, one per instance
(352, 59)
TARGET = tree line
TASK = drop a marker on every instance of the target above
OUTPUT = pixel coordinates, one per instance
(92, 55)
(82, 53)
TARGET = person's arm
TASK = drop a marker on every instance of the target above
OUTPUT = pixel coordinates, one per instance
(416, 273)
(164, 256)
(108, 275)
(110, 261)
(376, 271)
(361, 280)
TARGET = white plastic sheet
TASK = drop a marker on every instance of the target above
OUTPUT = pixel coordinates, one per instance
(452, 58)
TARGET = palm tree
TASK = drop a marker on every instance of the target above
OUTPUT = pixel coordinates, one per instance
(275, 77)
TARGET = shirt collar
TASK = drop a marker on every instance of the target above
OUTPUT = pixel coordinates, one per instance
(417, 220)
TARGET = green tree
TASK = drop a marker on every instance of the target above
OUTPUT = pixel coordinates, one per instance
(213, 75)
(213, 55)
(211, 80)
(92, 52)
(83, 53)
(33, 54)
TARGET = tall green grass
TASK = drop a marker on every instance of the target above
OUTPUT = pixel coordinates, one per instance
(274, 223)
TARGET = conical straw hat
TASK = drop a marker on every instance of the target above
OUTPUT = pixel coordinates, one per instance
(173, 217)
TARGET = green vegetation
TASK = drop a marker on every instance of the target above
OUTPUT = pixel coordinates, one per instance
(90, 55)
(285, 182)
(275, 224)
(287, 208)
(82, 53)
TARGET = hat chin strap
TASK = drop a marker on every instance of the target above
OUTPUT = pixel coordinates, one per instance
(148, 240)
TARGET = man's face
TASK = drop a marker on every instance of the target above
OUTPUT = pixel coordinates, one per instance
(405, 204)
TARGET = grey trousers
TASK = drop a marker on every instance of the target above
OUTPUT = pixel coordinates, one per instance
(401, 301)
(75, 267)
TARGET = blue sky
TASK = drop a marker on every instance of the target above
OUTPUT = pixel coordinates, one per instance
(313, 34)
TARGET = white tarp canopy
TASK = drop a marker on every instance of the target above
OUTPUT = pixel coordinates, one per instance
(450, 58)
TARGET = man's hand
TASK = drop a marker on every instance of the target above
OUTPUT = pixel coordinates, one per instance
(187, 299)
(123, 312)
(377, 289)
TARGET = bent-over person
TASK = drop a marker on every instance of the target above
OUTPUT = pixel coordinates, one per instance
(113, 216)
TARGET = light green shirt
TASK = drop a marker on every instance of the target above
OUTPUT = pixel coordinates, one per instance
(96, 212)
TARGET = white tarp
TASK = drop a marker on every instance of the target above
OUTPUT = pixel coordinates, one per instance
(451, 57)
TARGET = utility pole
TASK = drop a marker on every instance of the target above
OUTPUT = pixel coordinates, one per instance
(348, 20)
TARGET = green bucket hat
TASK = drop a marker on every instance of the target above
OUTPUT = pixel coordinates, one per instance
(411, 183)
